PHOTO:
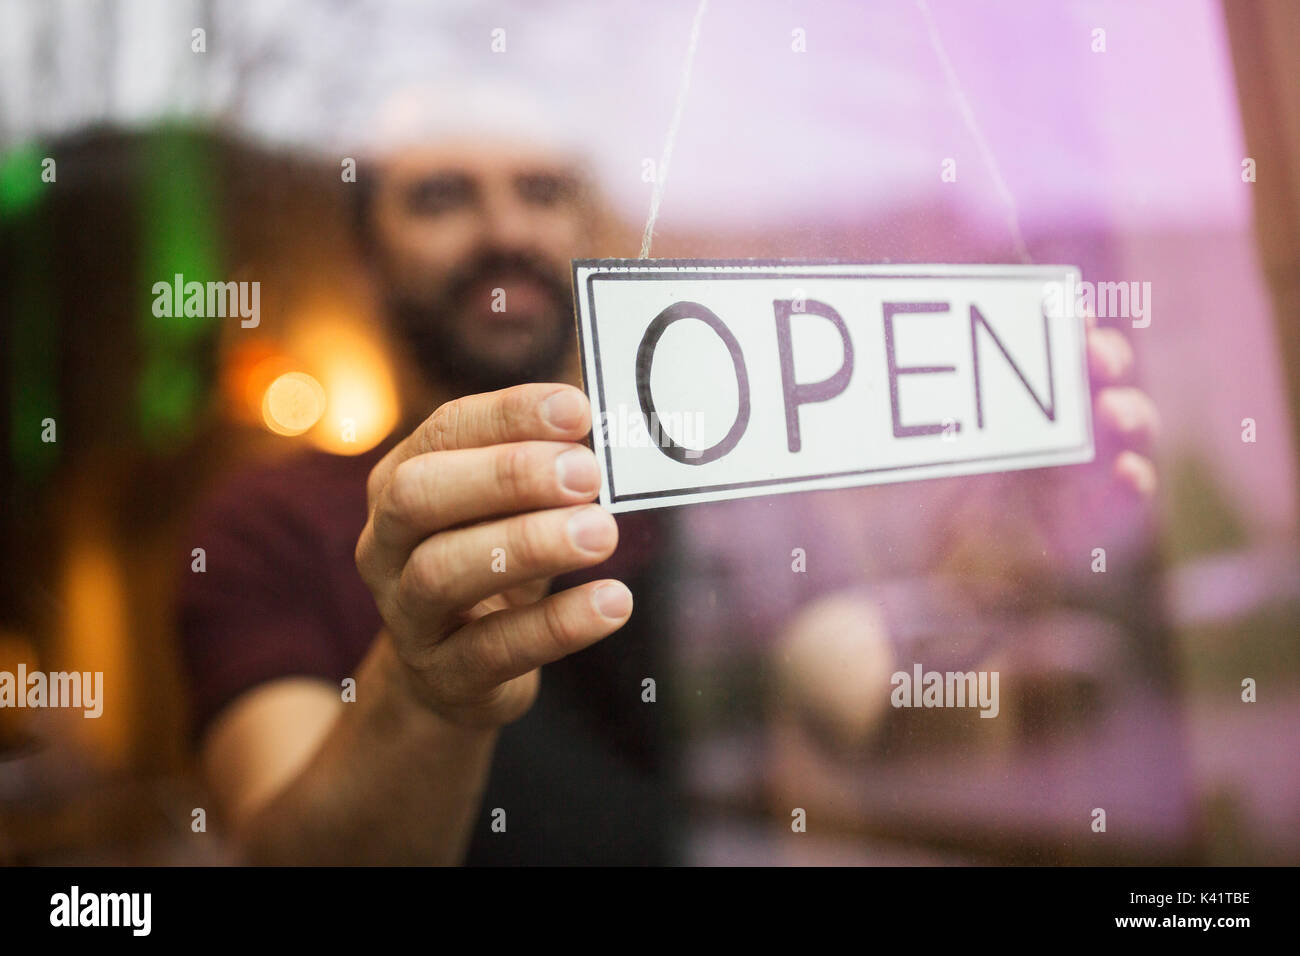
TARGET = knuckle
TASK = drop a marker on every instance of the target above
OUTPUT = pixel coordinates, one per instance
(518, 406)
(560, 628)
(441, 428)
(375, 483)
(492, 659)
(529, 541)
(424, 579)
(407, 492)
(513, 471)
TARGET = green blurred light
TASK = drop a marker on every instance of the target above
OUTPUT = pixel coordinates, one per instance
(169, 393)
(20, 179)
(32, 357)
(178, 236)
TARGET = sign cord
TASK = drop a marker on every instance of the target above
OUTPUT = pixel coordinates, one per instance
(986, 152)
(954, 85)
(661, 174)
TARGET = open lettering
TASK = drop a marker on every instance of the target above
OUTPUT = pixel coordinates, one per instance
(815, 376)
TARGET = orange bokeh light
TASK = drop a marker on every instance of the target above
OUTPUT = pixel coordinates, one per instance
(293, 403)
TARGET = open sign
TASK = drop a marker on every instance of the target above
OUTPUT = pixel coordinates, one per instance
(724, 379)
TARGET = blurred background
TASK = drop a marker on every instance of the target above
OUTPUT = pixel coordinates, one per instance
(1168, 153)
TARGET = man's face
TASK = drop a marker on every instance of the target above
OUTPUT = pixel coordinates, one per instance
(473, 245)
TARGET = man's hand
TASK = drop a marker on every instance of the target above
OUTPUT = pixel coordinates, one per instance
(1125, 416)
(470, 517)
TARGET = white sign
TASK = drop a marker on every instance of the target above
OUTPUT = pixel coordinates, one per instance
(712, 380)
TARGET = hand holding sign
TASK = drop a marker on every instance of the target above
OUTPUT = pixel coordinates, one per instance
(470, 518)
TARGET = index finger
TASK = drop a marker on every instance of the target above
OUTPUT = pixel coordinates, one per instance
(546, 411)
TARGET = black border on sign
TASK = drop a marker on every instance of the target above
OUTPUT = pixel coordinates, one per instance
(644, 269)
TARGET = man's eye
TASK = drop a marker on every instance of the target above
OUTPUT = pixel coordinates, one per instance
(544, 189)
(439, 194)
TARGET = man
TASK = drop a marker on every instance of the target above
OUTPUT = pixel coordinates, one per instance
(457, 532)
(388, 569)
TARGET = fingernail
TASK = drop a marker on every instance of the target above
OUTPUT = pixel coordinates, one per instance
(612, 600)
(565, 410)
(577, 471)
(592, 529)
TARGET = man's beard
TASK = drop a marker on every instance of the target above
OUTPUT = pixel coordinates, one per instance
(431, 329)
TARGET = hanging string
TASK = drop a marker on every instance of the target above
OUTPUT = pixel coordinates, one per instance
(968, 116)
(661, 174)
(954, 85)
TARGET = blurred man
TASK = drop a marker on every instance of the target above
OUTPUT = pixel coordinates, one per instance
(457, 531)
(442, 572)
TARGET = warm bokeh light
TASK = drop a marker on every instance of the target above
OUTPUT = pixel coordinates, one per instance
(248, 369)
(293, 403)
(93, 635)
(354, 370)
(327, 378)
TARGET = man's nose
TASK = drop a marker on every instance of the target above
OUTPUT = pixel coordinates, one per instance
(507, 223)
